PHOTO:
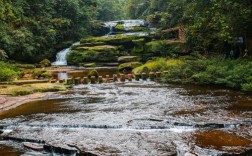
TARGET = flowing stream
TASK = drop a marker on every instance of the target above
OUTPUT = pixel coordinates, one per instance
(133, 118)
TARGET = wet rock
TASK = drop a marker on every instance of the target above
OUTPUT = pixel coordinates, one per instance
(35, 147)
(228, 143)
(124, 59)
(60, 149)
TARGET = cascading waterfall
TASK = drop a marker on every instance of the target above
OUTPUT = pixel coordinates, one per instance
(128, 25)
(61, 57)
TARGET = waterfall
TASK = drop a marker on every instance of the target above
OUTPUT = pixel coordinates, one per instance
(128, 24)
(61, 57)
(111, 26)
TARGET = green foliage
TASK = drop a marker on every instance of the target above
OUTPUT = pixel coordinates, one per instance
(38, 73)
(158, 65)
(34, 30)
(209, 25)
(229, 73)
(247, 87)
(8, 72)
(93, 73)
(45, 63)
(77, 56)
(3, 55)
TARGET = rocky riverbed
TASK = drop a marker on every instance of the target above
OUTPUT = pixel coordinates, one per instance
(135, 118)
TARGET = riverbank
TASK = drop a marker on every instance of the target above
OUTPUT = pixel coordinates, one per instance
(203, 70)
(12, 96)
(9, 102)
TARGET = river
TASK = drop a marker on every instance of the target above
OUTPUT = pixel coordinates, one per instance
(134, 118)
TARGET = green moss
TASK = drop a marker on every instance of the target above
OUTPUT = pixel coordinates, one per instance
(97, 48)
(158, 65)
(119, 27)
(76, 56)
(112, 40)
(139, 42)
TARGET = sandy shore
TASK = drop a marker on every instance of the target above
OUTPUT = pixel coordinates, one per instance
(10, 102)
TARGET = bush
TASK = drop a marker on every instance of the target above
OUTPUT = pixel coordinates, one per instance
(45, 63)
(93, 73)
(8, 71)
(46, 75)
(215, 71)
(247, 87)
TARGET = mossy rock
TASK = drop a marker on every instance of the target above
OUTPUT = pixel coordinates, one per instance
(112, 40)
(77, 57)
(124, 59)
(88, 64)
(138, 42)
(119, 27)
(127, 67)
(97, 48)
(93, 73)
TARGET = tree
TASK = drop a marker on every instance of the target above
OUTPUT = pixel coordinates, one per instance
(3, 55)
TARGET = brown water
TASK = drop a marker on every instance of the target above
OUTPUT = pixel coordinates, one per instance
(138, 118)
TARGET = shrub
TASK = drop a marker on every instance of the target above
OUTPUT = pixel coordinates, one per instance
(46, 75)
(93, 73)
(247, 87)
(45, 63)
(199, 70)
(8, 71)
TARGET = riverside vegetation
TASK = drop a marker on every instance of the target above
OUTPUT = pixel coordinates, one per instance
(32, 34)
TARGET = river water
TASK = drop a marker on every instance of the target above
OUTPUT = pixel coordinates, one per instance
(134, 118)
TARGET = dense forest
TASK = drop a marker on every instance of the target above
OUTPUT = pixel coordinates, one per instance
(40, 28)
(33, 30)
